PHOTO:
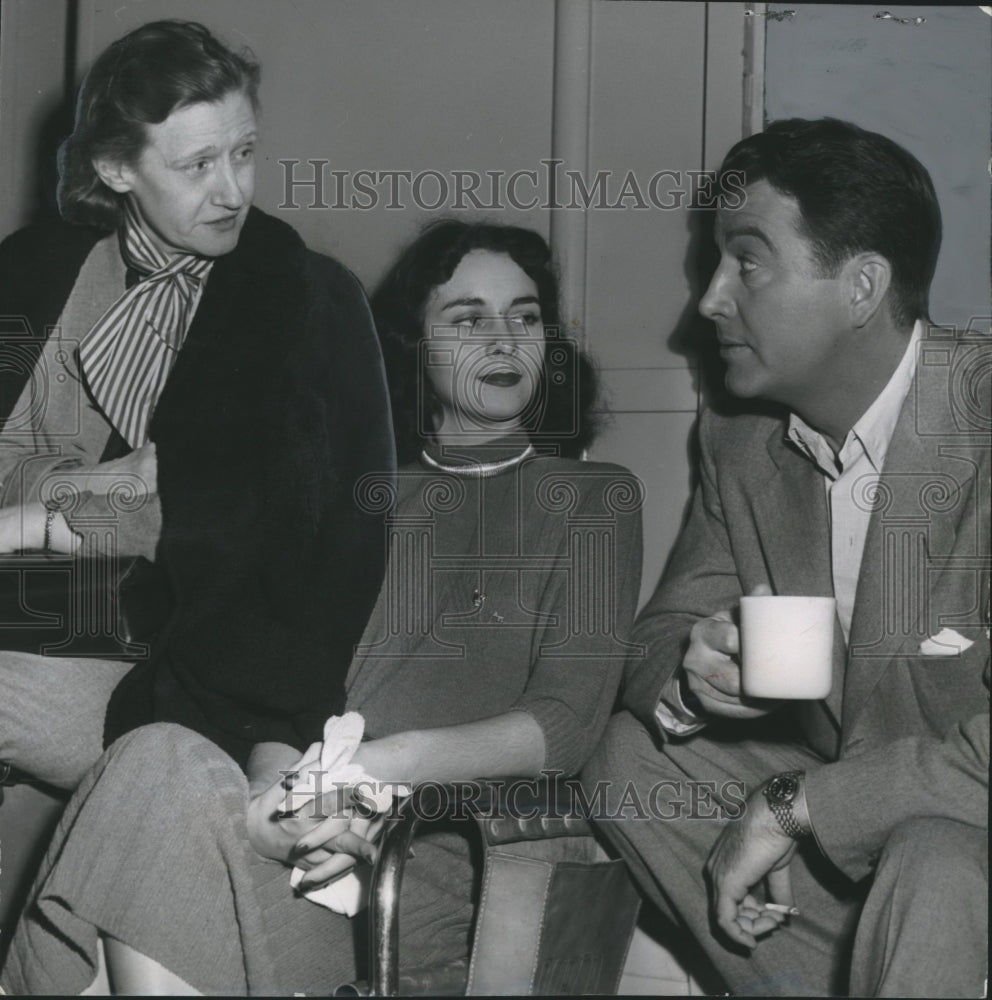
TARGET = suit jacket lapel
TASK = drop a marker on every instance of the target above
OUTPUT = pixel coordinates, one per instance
(790, 511)
(926, 487)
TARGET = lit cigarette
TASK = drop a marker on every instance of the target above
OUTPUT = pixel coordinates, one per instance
(791, 911)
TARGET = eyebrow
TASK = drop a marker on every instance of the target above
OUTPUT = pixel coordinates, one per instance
(470, 301)
(212, 150)
(198, 154)
(740, 231)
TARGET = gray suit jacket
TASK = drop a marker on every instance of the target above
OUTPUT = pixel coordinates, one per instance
(902, 734)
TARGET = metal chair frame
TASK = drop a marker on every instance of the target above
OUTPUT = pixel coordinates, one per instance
(501, 823)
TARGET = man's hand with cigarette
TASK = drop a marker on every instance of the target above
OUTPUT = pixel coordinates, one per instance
(751, 849)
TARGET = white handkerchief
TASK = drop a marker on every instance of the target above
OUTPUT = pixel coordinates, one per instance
(946, 642)
(342, 735)
(348, 894)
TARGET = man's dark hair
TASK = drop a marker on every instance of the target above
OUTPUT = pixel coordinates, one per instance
(565, 417)
(857, 191)
(140, 80)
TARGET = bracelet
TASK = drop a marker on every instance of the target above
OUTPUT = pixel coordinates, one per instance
(50, 513)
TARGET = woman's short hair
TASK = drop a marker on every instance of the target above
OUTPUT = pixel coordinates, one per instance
(140, 80)
(857, 191)
(564, 418)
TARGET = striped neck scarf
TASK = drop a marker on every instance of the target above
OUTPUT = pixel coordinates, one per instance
(128, 354)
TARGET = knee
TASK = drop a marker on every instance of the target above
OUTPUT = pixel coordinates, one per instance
(177, 773)
(170, 751)
(158, 739)
(937, 856)
(923, 929)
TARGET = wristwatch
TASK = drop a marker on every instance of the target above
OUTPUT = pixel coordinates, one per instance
(781, 792)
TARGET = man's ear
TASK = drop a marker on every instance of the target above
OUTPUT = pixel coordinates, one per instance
(115, 174)
(869, 277)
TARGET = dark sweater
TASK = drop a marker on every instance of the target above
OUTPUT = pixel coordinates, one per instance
(275, 409)
(515, 592)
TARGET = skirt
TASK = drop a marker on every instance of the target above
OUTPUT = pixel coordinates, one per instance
(153, 850)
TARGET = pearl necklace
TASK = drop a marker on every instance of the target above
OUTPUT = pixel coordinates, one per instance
(478, 470)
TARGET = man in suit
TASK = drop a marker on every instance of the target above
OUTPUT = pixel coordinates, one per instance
(861, 471)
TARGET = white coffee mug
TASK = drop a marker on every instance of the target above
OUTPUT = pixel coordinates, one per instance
(787, 646)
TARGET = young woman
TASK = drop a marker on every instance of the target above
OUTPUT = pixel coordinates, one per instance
(495, 650)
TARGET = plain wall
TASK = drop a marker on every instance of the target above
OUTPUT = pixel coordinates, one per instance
(928, 86)
(470, 85)
(33, 107)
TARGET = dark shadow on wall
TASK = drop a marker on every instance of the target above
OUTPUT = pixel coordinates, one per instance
(54, 124)
(694, 336)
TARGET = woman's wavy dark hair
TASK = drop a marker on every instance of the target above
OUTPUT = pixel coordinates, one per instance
(140, 80)
(563, 417)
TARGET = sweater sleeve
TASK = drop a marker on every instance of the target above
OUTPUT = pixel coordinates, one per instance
(39, 267)
(136, 530)
(591, 598)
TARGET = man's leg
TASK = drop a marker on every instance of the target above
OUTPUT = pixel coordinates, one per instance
(924, 928)
(52, 712)
(684, 793)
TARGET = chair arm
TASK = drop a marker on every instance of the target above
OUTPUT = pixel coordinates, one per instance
(530, 810)
(523, 811)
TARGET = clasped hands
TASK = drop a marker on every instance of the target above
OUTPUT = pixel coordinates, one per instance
(753, 848)
(326, 836)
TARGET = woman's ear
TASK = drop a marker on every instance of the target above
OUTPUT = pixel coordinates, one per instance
(115, 174)
(869, 276)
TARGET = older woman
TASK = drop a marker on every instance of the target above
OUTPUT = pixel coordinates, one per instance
(494, 650)
(185, 347)
(188, 347)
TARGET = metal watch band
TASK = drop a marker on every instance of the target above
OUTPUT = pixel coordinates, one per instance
(782, 808)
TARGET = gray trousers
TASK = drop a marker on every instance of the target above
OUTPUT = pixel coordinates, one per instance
(919, 929)
(51, 727)
(51, 714)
